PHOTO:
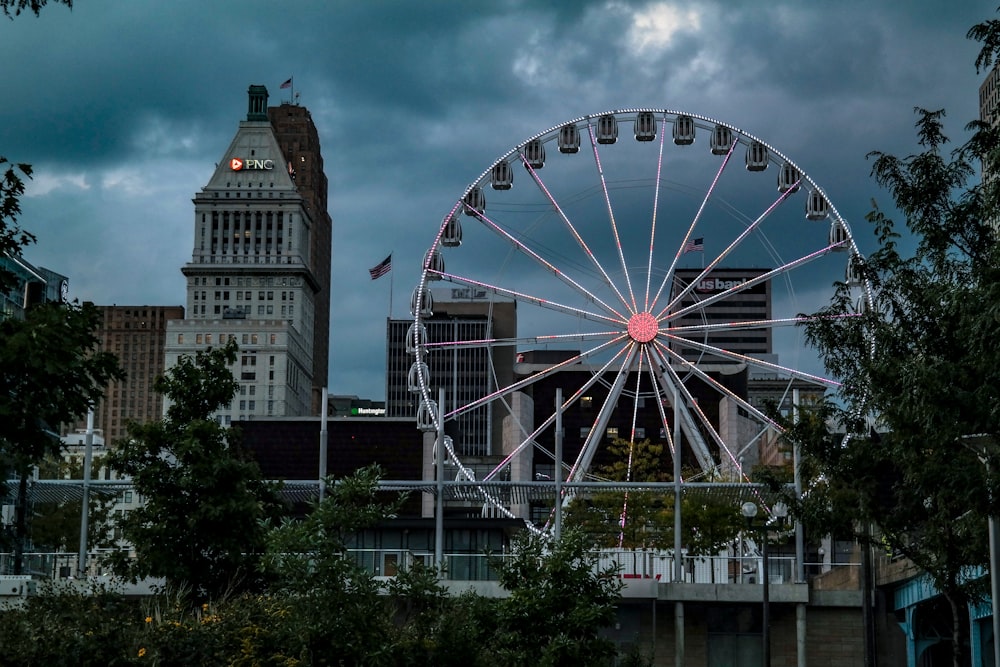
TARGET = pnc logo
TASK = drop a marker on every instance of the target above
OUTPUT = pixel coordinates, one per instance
(241, 164)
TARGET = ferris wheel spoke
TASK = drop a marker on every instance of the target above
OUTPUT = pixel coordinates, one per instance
(753, 361)
(548, 266)
(596, 435)
(691, 228)
(743, 325)
(708, 379)
(729, 249)
(691, 408)
(573, 231)
(623, 518)
(530, 439)
(736, 289)
(661, 399)
(526, 298)
(526, 340)
(531, 379)
(669, 380)
(611, 214)
(656, 208)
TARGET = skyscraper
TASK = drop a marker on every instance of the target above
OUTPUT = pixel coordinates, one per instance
(299, 141)
(255, 275)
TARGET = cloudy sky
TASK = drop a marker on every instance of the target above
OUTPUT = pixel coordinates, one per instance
(124, 108)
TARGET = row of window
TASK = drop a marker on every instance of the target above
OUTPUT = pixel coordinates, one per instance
(223, 295)
(240, 281)
(247, 339)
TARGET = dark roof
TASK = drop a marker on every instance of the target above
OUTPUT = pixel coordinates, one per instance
(289, 448)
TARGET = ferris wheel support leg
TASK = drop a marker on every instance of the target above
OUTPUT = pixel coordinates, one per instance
(439, 498)
(558, 468)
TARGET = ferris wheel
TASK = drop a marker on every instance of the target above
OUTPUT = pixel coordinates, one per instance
(633, 275)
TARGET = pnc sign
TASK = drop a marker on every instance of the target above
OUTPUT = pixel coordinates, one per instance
(246, 164)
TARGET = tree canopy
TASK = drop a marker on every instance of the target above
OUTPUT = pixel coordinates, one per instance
(921, 369)
(201, 524)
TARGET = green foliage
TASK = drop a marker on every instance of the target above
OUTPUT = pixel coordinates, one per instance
(12, 8)
(12, 237)
(202, 522)
(337, 612)
(920, 370)
(559, 601)
(50, 373)
(55, 526)
(708, 523)
(65, 626)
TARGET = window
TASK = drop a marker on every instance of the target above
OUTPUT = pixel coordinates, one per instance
(208, 338)
(640, 433)
(274, 339)
(180, 338)
(611, 433)
(197, 339)
(586, 402)
(584, 432)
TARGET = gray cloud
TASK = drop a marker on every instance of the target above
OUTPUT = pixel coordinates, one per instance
(124, 109)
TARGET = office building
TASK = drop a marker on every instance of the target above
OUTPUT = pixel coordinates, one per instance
(137, 335)
(751, 304)
(252, 277)
(465, 373)
(32, 284)
(298, 139)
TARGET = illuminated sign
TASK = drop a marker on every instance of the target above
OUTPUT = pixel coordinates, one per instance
(368, 411)
(246, 164)
(718, 285)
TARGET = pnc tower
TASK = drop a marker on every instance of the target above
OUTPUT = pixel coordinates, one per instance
(260, 268)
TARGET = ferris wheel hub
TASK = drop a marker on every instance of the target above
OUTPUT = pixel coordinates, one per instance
(643, 327)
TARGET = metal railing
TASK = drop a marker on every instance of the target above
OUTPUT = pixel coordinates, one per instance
(385, 563)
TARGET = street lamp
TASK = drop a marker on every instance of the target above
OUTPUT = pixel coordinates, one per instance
(778, 512)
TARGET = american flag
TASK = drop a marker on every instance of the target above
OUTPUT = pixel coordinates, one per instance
(697, 245)
(286, 84)
(382, 268)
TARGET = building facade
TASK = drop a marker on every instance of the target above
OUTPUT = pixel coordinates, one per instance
(298, 139)
(32, 284)
(137, 335)
(465, 373)
(251, 277)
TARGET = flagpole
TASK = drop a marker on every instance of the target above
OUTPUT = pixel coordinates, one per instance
(390, 288)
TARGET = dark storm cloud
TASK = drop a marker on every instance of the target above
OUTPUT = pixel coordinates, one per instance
(125, 107)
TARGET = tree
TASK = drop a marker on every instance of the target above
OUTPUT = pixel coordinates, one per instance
(50, 373)
(920, 371)
(55, 525)
(202, 522)
(559, 601)
(645, 519)
(12, 8)
(339, 615)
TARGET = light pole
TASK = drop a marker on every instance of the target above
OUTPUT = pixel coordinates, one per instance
(778, 512)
